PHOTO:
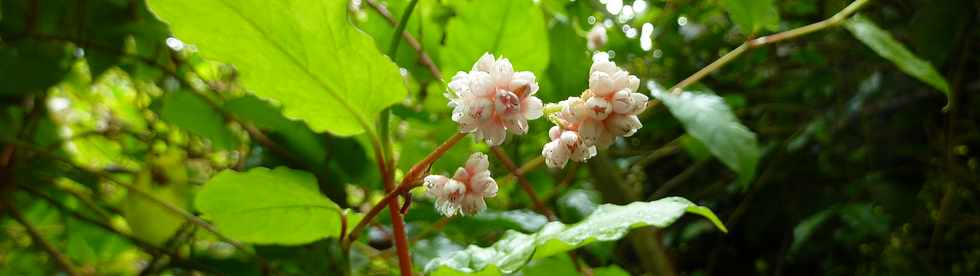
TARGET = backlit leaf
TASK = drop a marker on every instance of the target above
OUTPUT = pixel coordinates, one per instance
(263, 206)
(305, 55)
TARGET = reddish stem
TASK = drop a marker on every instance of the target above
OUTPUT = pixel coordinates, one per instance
(509, 164)
(410, 181)
(401, 242)
(386, 164)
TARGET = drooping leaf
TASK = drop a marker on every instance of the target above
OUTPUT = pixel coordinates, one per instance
(752, 15)
(887, 47)
(192, 113)
(263, 206)
(609, 222)
(512, 28)
(707, 118)
(305, 55)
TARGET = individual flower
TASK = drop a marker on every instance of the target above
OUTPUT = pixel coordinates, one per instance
(597, 37)
(491, 99)
(464, 193)
(608, 109)
(565, 145)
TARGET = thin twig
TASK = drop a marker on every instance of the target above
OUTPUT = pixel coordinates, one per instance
(157, 261)
(677, 180)
(424, 58)
(253, 132)
(566, 181)
(509, 164)
(664, 151)
(949, 199)
(146, 246)
(765, 40)
(411, 180)
(139, 192)
(527, 167)
(59, 258)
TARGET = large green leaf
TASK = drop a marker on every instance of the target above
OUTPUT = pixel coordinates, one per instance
(263, 206)
(707, 118)
(304, 55)
(192, 113)
(512, 28)
(609, 222)
(752, 15)
(887, 47)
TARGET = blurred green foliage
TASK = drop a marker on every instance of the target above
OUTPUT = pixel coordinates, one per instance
(830, 153)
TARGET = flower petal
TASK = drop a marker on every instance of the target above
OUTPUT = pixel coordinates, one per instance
(622, 102)
(590, 132)
(555, 155)
(485, 63)
(533, 108)
(601, 84)
(472, 204)
(598, 108)
(493, 133)
(477, 163)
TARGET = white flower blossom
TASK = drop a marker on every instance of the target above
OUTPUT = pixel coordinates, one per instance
(492, 99)
(565, 145)
(464, 193)
(597, 37)
(608, 109)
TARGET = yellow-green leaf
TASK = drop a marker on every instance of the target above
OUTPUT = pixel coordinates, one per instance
(263, 206)
(304, 55)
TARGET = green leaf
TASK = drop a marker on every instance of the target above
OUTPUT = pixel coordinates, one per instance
(35, 66)
(752, 15)
(148, 220)
(305, 55)
(192, 113)
(609, 222)
(887, 47)
(569, 69)
(707, 118)
(263, 206)
(298, 138)
(427, 26)
(557, 265)
(512, 28)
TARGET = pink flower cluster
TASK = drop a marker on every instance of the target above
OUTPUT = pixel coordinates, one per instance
(492, 99)
(464, 193)
(608, 109)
